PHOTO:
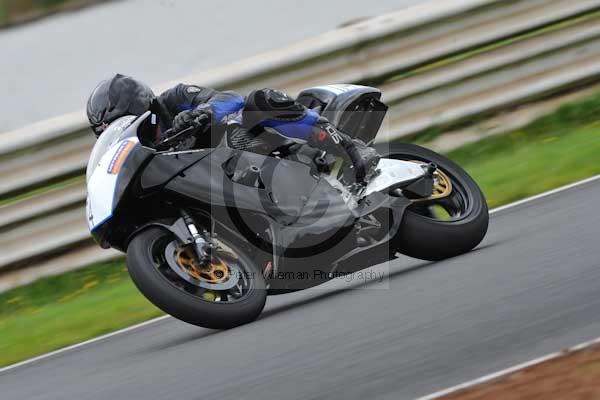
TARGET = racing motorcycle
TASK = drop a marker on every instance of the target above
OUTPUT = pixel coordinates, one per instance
(211, 230)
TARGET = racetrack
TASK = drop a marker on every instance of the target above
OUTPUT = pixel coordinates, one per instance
(531, 288)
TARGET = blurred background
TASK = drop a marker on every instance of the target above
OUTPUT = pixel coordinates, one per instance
(507, 89)
(53, 63)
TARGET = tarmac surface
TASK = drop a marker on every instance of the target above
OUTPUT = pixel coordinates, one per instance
(531, 288)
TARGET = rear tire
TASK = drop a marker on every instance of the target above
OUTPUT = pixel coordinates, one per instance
(421, 236)
(141, 262)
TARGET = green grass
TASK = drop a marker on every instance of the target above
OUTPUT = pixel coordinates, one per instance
(552, 151)
(58, 311)
(518, 166)
(23, 10)
(2, 12)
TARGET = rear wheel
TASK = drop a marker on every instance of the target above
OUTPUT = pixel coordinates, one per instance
(227, 292)
(450, 222)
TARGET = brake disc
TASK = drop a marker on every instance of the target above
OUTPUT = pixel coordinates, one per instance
(210, 278)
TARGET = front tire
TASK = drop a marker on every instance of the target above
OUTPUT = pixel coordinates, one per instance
(423, 236)
(146, 265)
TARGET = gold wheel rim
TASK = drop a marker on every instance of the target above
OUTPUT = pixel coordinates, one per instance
(442, 188)
(214, 272)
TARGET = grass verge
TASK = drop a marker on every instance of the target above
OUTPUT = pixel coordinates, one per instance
(2, 13)
(58, 311)
(552, 151)
(18, 12)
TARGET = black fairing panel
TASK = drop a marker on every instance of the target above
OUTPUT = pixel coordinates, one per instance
(312, 224)
(281, 192)
(164, 167)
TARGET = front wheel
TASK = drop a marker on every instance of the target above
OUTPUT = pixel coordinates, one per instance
(227, 292)
(452, 221)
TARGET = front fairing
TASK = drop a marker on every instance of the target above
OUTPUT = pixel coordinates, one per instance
(115, 158)
(285, 185)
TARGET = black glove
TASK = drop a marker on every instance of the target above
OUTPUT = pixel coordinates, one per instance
(326, 137)
(198, 120)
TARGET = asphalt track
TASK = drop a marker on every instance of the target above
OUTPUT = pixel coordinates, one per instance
(49, 67)
(531, 288)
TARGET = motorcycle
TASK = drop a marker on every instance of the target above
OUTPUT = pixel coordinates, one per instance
(210, 231)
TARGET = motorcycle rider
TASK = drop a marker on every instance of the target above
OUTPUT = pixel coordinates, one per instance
(190, 106)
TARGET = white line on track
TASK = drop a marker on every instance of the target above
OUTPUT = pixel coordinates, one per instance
(152, 321)
(546, 194)
(507, 371)
(82, 344)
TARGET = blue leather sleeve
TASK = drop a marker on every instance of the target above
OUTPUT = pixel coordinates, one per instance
(226, 105)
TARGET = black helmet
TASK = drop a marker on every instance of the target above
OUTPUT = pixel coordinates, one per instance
(117, 97)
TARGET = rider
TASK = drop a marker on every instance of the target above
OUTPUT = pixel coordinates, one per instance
(187, 106)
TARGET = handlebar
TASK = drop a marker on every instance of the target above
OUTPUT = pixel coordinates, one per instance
(174, 140)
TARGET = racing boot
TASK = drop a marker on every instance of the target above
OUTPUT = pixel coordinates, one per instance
(364, 158)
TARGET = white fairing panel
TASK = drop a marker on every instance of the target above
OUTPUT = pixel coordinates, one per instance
(108, 157)
(109, 137)
(103, 182)
(339, 88)
(393, 173)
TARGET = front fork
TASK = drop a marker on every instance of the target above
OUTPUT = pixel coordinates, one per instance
(185, 230)
(203, 244)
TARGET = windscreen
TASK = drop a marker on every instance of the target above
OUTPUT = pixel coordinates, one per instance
(110, 136)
